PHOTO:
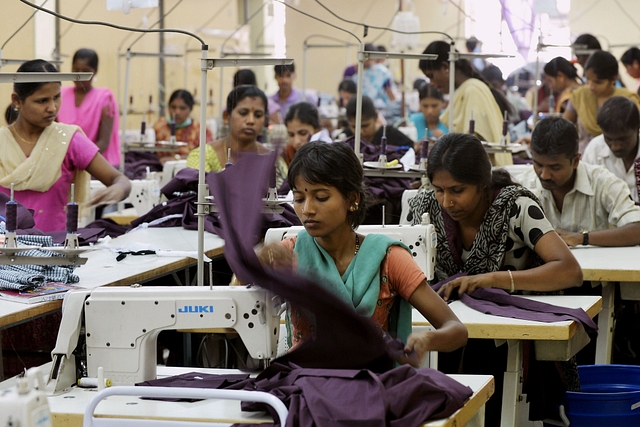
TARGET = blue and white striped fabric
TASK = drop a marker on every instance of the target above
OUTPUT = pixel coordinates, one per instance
(22, 277)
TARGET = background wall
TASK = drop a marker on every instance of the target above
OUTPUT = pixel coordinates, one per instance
(325, 66)
(606, 19)
(111, 44)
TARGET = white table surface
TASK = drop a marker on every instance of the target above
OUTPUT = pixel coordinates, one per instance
(102, 269)
(67, 409)
(609, 266)
(488, 326)
(516, 331)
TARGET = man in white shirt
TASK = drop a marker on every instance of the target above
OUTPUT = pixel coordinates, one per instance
(618, 146)
(586, 204)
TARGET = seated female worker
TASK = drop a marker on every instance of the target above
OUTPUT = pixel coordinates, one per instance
(43, 158)
(488, 226)
(187, 129)
(246, 116)
(372, 273)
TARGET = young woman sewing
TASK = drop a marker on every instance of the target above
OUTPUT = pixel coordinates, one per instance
(495, 231)
(42, 158)
(563, 78)
(246, 116)
(473, 98)
(186, 129)
(601, 72)
(373, 273)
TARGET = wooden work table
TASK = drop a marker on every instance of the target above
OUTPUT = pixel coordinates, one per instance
(67, 409)
(102, 269)
(552, 341)
(608, 266)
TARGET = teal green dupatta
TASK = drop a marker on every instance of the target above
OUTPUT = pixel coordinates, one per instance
(359, 286)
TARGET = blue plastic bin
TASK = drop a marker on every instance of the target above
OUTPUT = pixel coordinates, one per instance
(609, 396)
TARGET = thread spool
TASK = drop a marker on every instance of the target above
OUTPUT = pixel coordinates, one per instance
(383, 141)
(505, 125)
(143, 127)
(72, 217)
(272, 178)
(472, 126)
(11, 213)
(424, 150)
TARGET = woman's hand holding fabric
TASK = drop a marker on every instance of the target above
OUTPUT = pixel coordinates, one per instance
(420, 343)
(466, 284)
(277, 256)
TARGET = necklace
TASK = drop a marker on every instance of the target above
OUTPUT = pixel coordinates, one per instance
(357, 245)
(15, 130)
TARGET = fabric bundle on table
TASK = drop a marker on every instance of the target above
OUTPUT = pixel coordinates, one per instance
(23, 277)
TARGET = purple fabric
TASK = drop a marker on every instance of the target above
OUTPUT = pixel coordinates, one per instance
(185, 180)
(137, 162)
(344, 340)
(498, 302)
(194, 380)
(389, 189)
(24, 216)
(181, 192)
(238, 192)
(349, 72)
(340, 397)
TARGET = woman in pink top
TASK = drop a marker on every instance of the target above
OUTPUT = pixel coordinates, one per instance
(94, 109)
(41, 158)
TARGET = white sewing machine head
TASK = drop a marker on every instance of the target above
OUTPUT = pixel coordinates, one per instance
(121, 325)
(421, 239)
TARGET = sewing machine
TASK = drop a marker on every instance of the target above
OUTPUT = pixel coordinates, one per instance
(116, 327)
(421, 239)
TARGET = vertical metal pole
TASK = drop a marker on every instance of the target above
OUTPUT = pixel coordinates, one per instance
(202, 187)
(452, 85)
(125, 109)
(220, 99)
(356, 142)
(304, 72)
(56, 51)
(123, 124)
(161, 68)
(536, 86)
(186, 65)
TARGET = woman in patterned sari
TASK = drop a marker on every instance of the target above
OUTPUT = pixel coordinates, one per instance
(493, 230)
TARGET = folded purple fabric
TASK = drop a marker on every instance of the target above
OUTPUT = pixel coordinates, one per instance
(500, 303)
(196, 380)
(313, 378)
(344, 339)
(403, 396)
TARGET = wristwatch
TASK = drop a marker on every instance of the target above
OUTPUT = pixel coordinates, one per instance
(585, 238)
